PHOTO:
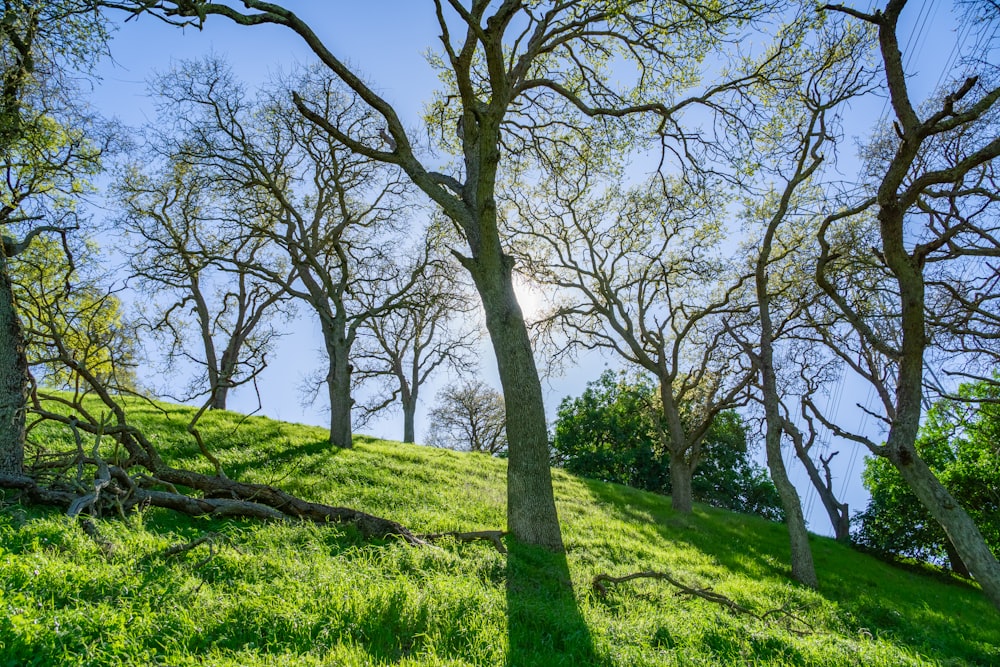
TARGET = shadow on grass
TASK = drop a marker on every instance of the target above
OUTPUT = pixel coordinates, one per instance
(544, 623)
(913, 610)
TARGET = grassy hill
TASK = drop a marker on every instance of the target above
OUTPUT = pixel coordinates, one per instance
(296, 594)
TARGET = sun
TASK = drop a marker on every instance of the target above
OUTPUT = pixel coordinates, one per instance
(530, 297)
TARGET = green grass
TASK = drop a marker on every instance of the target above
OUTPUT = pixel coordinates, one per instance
(297, 594)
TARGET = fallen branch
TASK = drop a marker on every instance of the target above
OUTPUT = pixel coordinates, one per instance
(101, 482)
(139, 481)
(494, 536)
(786, 613)
(239, 500)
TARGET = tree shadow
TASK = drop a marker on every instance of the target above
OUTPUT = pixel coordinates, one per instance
(544, 624)
(872, 596)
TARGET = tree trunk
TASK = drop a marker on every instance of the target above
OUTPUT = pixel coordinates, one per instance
(681, 473)
(838, 512)
(338, 384)
(899, 448)
(14, 379)
(531, 509)
(219, 397)
(803, 570)
(224, 377)
(409, 412)
(961, 530)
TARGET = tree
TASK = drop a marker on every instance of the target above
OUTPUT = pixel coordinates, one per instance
(928, 214)
(638, 273)
(333, 214)
(609, 433)
(959, 441)
(469, 416)
(45, 157)
(402, 347)
(521, 80)
(177, 252)
(801, 110)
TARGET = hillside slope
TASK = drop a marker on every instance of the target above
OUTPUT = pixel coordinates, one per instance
(292, 594)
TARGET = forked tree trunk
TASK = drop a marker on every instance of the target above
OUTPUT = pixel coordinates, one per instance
(14, 382)
(838, 512)
(531, 510)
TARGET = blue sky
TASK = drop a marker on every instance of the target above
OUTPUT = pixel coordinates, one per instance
(386, 41)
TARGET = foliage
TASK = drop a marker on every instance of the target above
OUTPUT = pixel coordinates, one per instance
(69, 312)
(960, 441)
(469, 415)
(47, 142)
(608, 433)
(283, 594)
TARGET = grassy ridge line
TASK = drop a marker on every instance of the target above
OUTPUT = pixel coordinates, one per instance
(302, 595)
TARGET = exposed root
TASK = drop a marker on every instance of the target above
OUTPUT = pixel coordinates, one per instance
(787, 615)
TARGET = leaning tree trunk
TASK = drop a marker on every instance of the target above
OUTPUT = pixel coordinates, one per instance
(531, 509)
(900, 448)
(838, 512)
(803, 568)
(959, 527)
(14, 379)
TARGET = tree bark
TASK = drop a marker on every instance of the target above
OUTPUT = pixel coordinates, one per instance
(14, 378)
(803, 568)
(531, 510)
(961, 530)
(409, 414)
(338, 382)
(681, 473)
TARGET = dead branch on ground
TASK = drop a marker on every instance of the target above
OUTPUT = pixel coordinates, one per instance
(787, 614)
